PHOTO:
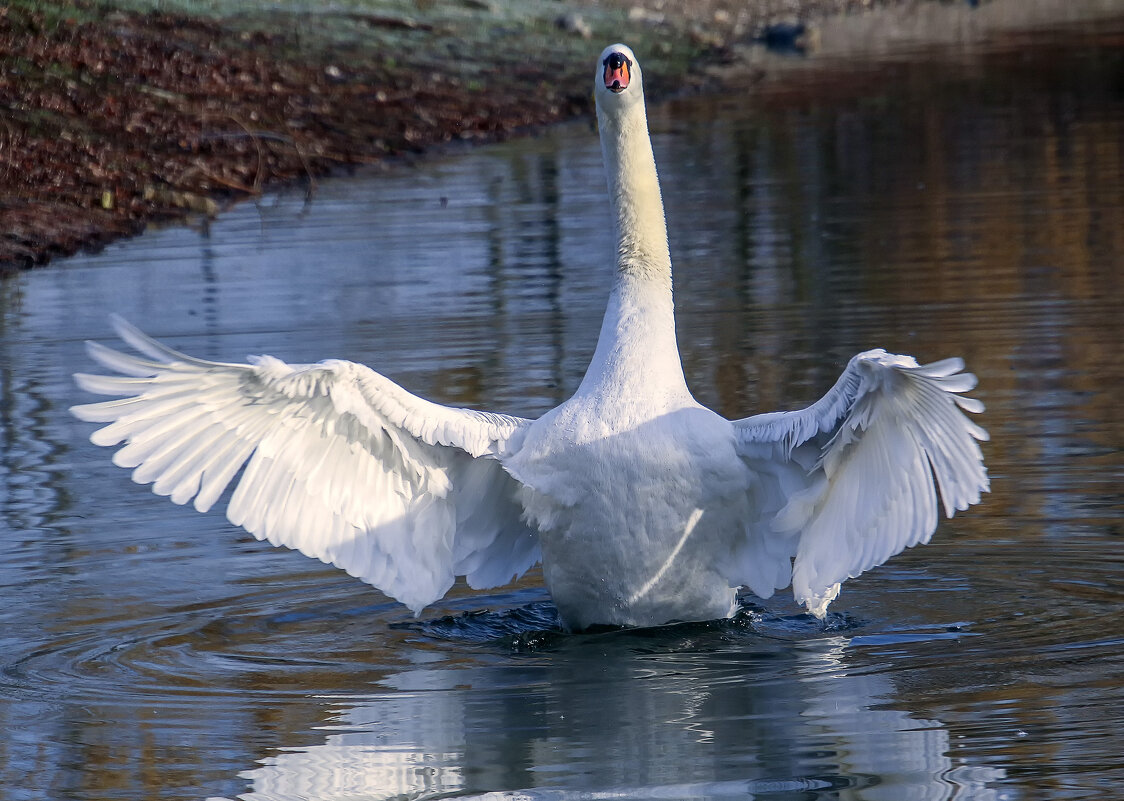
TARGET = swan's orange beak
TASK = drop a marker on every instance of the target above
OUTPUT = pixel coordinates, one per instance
(617, 70)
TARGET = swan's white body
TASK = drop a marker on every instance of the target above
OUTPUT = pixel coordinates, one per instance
(644, 506)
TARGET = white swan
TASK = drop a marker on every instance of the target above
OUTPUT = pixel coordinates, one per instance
(644, 506)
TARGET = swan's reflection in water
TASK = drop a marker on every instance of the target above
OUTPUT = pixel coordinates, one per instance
(592, 719)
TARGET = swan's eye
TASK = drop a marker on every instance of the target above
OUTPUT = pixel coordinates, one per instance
(617, 71)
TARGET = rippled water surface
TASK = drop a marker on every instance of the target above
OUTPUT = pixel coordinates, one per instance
(963, 201)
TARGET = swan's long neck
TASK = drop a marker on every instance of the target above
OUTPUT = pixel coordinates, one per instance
(636, 352)
(634, 196)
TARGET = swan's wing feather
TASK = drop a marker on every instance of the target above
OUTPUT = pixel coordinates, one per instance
(337, 462)
(853, 479)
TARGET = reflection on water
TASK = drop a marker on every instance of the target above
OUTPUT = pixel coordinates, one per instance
(761, 717)
(944, 203)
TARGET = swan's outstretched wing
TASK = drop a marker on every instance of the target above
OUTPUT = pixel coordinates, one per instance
(340, 463)
(850, 481)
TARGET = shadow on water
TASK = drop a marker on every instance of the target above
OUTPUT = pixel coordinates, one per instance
(538, 627)
(963, 201)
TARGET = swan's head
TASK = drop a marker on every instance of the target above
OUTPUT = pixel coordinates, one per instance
(619, 83)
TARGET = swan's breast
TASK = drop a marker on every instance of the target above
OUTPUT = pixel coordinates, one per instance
(634, 518)
(588, 448)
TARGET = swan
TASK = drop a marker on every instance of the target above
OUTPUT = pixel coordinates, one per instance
(643, 506)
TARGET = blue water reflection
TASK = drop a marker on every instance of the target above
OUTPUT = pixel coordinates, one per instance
(719, 719)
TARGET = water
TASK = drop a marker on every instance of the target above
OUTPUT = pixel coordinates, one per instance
(957, 201)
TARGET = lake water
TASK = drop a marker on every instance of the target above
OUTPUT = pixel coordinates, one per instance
(955, 201)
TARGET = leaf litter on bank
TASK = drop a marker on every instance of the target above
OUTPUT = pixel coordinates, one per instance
(108, 124)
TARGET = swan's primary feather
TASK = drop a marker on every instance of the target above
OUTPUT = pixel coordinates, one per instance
(644, 505)
(340, 463)
(853, 478)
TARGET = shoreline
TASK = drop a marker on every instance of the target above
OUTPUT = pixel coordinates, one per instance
(118, 116)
